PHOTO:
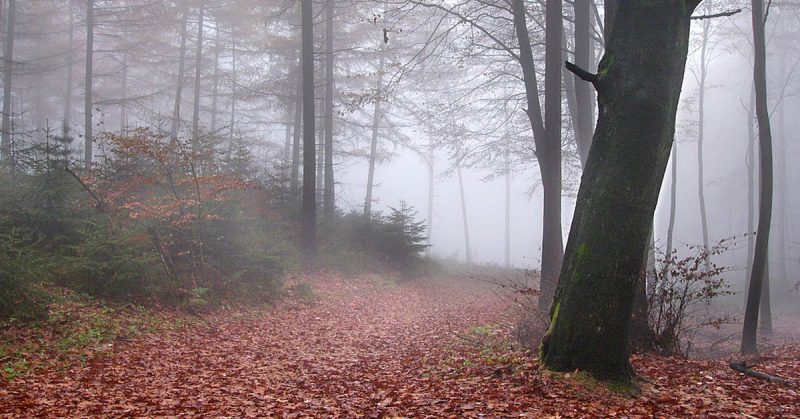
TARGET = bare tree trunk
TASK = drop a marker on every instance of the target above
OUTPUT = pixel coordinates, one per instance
(673, 199)
(751, 190)
(68, 94)
(754, 291)
(779, 242)
(467, 247)
(548, 143)
(198, 69)
(550, 156)
(320, 186)
(298, 129)
(701, 93)
(431, 178)
(123, 105)
(87, 105)
(287, 148)
(8, 77)
(765, 306)
(176, 110)
(507, 162)
(583, 58)
(232, 122)
(309, 198)
(329, 207)
(215, 82)
(373, 145)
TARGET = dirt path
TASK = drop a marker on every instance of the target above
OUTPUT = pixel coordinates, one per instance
(365, 349)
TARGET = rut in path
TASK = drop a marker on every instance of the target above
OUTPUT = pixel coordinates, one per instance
(359, 348)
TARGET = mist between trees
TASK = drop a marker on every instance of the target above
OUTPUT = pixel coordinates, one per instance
(196, 150)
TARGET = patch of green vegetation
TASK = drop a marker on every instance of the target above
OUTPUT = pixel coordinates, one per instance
(482, 331)
(626, 387)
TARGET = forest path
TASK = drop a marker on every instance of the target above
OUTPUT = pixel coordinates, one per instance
(369, 348)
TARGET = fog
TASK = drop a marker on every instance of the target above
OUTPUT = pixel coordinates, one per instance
(445, 84)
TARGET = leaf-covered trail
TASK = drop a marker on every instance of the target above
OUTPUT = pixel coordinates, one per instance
(367, 349)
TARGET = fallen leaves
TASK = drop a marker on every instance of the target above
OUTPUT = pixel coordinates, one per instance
(368, 351)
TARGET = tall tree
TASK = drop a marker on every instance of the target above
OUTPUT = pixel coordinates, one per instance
(467, 247)
(8, 77)
(329, 205)
(198, 68)
(309, 161)
(68, 93)
(638, 85)
(176, 109)
(87, 103)
(757, 275)
(701, 75)
(373, 144)
(547, 140)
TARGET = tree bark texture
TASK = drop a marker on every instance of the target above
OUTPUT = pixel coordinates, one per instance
(638, 83)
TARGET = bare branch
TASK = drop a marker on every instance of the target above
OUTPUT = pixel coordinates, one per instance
(715, 15)
(581, 73)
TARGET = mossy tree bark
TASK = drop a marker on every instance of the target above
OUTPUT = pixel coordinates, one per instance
(638, 85)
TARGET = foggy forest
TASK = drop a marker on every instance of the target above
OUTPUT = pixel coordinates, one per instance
(400, 208)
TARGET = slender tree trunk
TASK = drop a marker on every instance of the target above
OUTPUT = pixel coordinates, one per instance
(550, 156)
(198, 70)
(765, 306)
(287, 148)
(215, 82)
(507, 162)
(298, 130)
(673, 200)
(638, 83)
(583, 58)
(373, 144)
(779, 274)
(548, 143)
(701, 93)
(8, 77)
(68, 94)
(87, 104)
(320, 186)
(329, 208)
(309, 197)
(232, 122)
(431, 179)
(751, 180)
(176, 110)
(754, 291)
(123, 105)
(467, 247)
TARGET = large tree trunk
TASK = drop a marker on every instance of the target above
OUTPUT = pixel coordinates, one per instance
(87, 104)
(467, 247)
(548, 143)
(373, 144)
(329, 207)
(309, 198)
(176, 110)
(754, 291)
(8, 77)
(638, 83)
(198, 70)
(701, 96)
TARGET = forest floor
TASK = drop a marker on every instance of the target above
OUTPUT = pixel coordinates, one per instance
(367, 347)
